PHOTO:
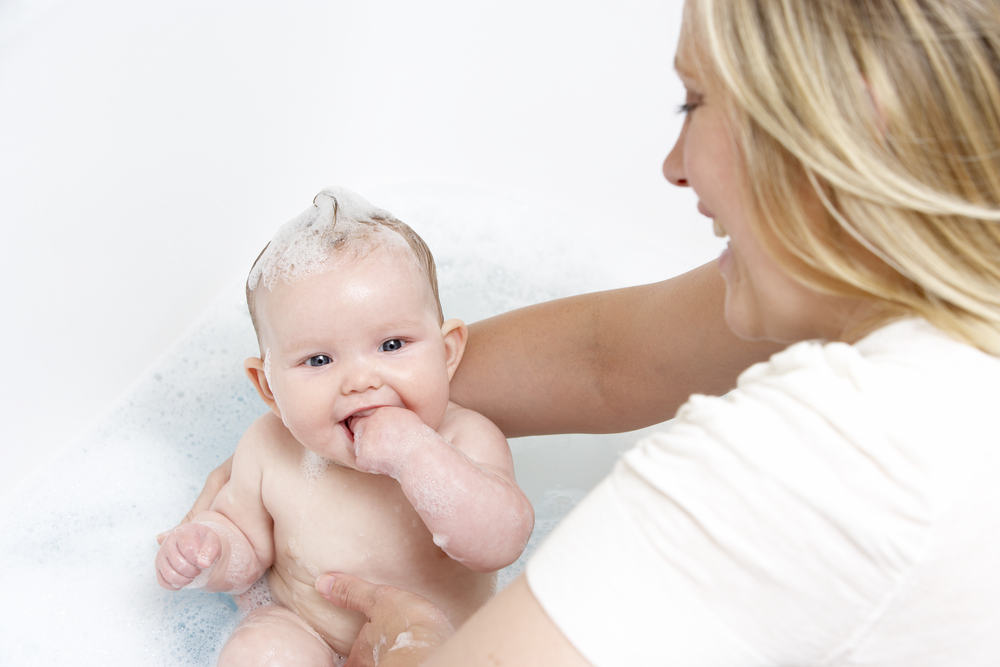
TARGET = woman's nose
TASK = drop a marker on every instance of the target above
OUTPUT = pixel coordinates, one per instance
(673, 164)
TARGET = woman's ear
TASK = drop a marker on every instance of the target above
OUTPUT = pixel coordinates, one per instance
(254, 366)
(455, 335)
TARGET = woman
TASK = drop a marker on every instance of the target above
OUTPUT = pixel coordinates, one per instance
(839, 505)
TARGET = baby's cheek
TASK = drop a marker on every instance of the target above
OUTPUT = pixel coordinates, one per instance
(434, 406)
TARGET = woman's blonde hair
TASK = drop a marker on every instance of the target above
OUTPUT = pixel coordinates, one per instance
(887, 112)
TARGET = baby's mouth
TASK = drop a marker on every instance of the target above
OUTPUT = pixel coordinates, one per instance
(352, 419)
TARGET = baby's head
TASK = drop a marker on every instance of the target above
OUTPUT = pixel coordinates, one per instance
(339, 224)
(345, 306)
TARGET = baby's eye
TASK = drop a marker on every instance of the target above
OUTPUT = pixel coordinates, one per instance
(391, 345)
(319, 360)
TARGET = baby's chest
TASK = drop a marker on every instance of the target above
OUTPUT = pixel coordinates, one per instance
(344, 520)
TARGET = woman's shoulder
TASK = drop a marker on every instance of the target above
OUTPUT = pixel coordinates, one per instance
(904, 388)
(868, 465)
(878, 438)
(902, 365)
(907, 342)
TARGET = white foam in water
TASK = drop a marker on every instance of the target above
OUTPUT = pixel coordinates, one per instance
(78, 544)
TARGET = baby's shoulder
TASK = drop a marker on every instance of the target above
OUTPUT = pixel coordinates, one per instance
(471, 431)
(457, 417)
(267, 438)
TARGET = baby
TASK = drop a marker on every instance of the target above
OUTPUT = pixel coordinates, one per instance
(362, 465)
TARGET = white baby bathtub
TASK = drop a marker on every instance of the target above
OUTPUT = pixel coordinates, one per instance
(78, 541)
(150, 149)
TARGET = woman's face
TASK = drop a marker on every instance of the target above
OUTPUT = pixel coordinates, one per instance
(762, 300)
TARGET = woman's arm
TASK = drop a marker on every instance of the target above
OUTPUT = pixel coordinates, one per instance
(604, 362)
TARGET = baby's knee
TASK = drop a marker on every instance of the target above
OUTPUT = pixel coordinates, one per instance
(275, 636)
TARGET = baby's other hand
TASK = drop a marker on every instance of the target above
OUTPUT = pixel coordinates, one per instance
(384, 439)
(186, 552)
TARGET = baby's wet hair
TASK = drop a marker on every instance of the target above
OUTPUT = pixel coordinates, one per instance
(339, 221)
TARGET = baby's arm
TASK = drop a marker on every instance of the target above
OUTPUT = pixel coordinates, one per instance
(460, 481)
(229, 546)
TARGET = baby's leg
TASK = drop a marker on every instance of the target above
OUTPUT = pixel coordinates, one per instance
(274, 635)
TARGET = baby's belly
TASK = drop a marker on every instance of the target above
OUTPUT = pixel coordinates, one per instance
(346, 521)
(457, 591)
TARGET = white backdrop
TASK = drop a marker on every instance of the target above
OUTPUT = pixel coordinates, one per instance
(148, 150)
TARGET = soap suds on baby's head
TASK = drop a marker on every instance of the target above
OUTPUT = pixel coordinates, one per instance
(304, 244)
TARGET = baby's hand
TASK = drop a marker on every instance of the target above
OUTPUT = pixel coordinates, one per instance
(187, 551)
(384, 439)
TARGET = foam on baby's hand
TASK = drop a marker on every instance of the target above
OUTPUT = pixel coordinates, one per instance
(202, 578)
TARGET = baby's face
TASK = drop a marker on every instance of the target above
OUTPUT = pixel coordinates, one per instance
(362, 335)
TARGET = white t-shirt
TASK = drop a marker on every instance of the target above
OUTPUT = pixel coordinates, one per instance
(841, 506)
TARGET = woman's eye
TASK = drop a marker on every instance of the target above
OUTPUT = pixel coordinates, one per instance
(692, 102)
(391, 345)
(319, 360)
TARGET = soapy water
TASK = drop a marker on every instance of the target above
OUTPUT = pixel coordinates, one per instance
(78, 540)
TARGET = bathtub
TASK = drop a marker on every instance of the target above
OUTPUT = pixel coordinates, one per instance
(141, 178)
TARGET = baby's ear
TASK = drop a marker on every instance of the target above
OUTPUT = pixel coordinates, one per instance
(254, 366)
(455, 335)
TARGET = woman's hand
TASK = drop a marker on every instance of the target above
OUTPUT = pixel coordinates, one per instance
(403, 629)
(213, 484)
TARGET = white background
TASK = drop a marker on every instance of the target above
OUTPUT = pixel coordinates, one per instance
(148, 150)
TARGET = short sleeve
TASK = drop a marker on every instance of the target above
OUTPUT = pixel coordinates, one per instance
(769, 526)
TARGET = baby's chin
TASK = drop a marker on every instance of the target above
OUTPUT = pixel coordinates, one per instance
(340, 452)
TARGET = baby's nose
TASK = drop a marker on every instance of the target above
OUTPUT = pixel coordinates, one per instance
(361, 376)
